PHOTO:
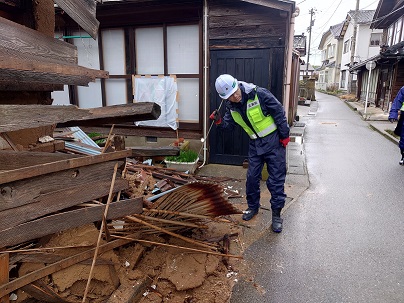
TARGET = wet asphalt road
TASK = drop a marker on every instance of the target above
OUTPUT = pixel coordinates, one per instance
(343, 239)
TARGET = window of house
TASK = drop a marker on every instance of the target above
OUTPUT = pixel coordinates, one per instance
(375, 39)
(88, 56)
(347, 46)
(113, 47)
(182, 55)
(149, 43)
(330, 50)
(390, 35)
(321, 77)
(343, 79)
(326, 76)
(158, 50)
(397, 31)
(323, 55)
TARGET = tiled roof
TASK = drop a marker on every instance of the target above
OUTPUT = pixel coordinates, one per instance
(336, 29)
(364, 16)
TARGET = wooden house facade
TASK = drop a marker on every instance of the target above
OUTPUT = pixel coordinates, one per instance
(192, 42)
(388, 75)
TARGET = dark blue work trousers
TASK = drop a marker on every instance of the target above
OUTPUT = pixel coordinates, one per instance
(276, 166)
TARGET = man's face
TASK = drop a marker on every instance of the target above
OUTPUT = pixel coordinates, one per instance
(236, 97)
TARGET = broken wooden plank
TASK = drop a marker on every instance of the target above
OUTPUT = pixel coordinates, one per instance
(67, 220)
(16, 117)
(48, 187)
(17, 159)
(30, 45)
(28, 71)
(4, 274)
(58, 200)
(154, 151)
(47, 168)
(31, 136)
(13, 86)
(83, 12)
(48, 147)
(42, 292)
(7, 288)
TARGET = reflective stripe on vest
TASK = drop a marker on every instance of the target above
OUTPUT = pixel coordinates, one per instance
(262, 125)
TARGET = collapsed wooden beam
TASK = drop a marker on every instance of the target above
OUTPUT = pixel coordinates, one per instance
(47, 168)
(67, 220)
(48, 203)
(83, 12)
(28, 56)
(154, 151)
(16, 117)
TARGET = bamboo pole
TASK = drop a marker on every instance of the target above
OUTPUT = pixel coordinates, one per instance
(179, 247)
(100, 233)
(171, 221)
(43, 249)
(183, 214)
(168, 232)
(107, 142)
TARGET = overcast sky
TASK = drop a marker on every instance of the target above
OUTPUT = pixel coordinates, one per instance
(327, 13)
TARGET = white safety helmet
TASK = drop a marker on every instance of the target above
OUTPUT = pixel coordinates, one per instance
(226, 85)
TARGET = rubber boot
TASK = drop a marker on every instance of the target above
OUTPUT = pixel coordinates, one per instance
(276, 220)
(249, 213)
(402, 157)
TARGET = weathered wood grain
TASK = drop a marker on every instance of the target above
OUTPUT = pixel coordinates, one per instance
(17, 159)
(252, 31)
(47, 187)
(154, 151)
(15, 117)
(83, 12)
(28, 44)
(4, 274)
(24, 70)
(67, 220)
(57, 166)
(51, 202)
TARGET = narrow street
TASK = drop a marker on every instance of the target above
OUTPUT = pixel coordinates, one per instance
(343, 238)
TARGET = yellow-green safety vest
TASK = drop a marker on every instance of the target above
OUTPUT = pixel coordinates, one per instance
(262, 125)
(402, 107)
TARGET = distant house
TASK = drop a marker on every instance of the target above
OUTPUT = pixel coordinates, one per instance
(330, 46)
(388, 76)
(367, 43)
(306, 70)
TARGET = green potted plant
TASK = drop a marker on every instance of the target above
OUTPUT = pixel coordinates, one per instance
(187, 160)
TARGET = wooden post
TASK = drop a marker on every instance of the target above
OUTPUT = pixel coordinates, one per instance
(4, 268)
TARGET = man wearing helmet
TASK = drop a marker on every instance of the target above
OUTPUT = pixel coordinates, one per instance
(263, 118)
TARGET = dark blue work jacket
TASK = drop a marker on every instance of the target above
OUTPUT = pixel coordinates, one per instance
(270, 106)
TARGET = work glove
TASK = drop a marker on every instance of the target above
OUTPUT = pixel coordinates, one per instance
(392, 120)
(215, 116)
(285, 141)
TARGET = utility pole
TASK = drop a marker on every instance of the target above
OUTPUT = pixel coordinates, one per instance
(309, 30)
(353, 47)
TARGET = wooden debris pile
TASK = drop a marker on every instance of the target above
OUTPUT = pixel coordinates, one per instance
(49, 189)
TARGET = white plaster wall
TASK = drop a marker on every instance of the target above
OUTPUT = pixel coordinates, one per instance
(364, 50)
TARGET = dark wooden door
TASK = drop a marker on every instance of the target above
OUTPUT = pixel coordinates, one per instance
(256, 66)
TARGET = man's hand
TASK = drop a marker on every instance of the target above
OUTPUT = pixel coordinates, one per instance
(215, 115)
(285, 141)
(392, 120)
